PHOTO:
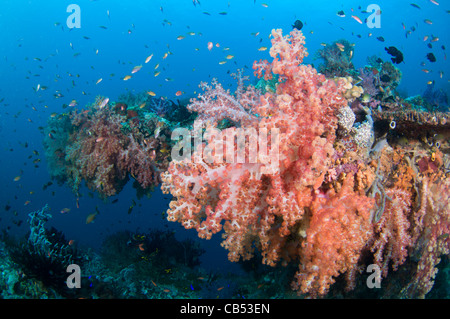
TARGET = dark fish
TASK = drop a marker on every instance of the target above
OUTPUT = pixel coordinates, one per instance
(297, 25)
(396, 53)
(415, 6)
(385, 78)
(429, 45)
(380, 39)
(431, 57)
(341, 14)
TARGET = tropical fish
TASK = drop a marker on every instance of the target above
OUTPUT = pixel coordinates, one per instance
(90, 218)
(104, 102)
(65, 210)
(340, 46)
(98, 81)
(210, 46)
(357, 19)
(262, 49)
(397, 54)
(431, 57)
(136, 69)
(415, 5)
(127, 77)
(297, 25)
(149, 58)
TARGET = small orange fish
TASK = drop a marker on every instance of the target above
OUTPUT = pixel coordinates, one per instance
(210, 46)
(154, 283)
(141, 247)
(220, 288)
(262, 49)
(179, 93)
(71, 242)
(357, 19)
(17, 178)
(151, 93)
(340, 46)
(426, 71)
(99, 139)
(166, 290)
(26, 203)
(127, 77)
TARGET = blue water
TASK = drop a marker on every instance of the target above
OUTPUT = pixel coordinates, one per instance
(38, 48)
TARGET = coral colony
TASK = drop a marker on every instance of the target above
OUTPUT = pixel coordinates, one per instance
(348, 175)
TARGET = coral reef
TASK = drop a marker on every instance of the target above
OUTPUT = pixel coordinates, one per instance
(106, 144)
(337, 58)
(44, 256)
(338, 201)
